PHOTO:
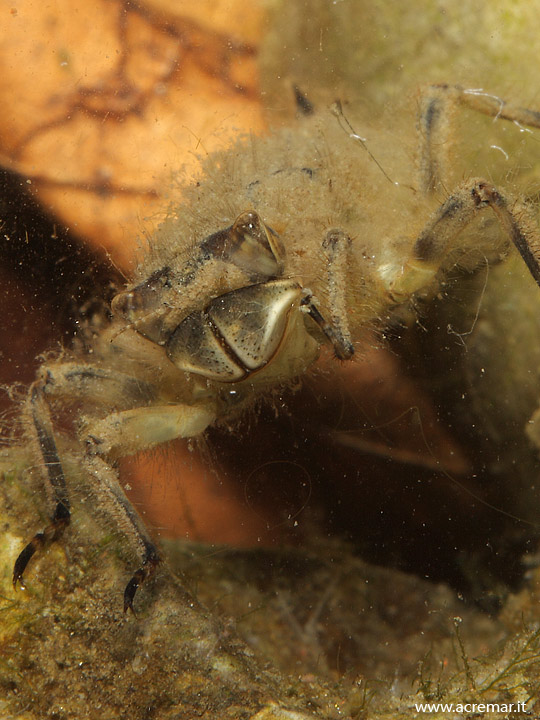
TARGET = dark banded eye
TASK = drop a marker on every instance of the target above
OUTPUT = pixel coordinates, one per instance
(237, 333)
(255, 247)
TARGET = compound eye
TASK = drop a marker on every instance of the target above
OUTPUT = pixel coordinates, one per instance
(133, 304)
(237, 334)
(256, 248)
(252, 322)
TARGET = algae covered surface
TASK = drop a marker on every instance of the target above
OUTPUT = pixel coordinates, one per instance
(305, 633)
(292, 633)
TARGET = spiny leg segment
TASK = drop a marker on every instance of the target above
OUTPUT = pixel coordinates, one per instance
(106, 487)
(431, 246)
(338, 249)
(435, 112)
(337, 246)
(55, 482)
(128, 520)
(516, 218)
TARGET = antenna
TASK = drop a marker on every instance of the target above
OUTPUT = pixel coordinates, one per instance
(337, 110)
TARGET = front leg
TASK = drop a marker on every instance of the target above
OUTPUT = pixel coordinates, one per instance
(104, 440)
(338, 249)
(126, 433)
(55, 481)
(115, 504)
(337, 246)
(65, 380)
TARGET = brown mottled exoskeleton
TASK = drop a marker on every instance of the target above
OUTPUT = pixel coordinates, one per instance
(280, 249)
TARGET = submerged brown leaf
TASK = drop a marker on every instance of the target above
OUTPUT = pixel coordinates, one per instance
(104, 102)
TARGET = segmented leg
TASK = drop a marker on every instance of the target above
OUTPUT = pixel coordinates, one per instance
(437, 105)
(54, 478)
(336, 329)
(436, 108)
(117, 434)
(431, 246)
(343, 350)
(461, 207)
(117, 505)
(338, 249)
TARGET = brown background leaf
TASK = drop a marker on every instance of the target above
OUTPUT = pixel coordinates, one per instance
(107, 100)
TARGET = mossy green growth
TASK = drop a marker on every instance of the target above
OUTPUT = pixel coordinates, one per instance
(274, 634)
(375, 52)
